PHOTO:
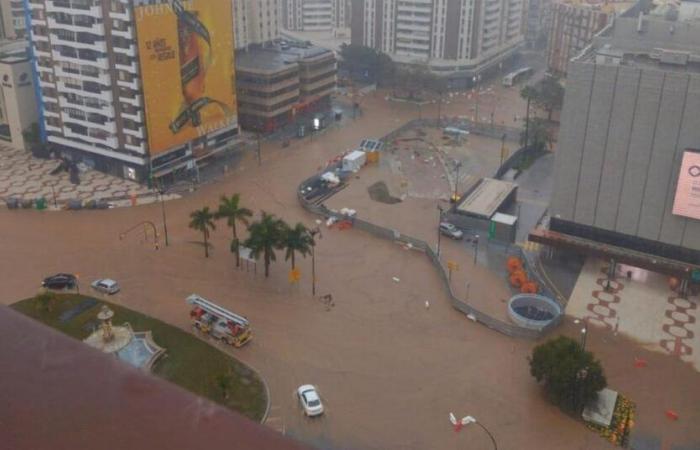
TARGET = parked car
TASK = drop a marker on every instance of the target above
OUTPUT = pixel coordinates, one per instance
(451, 231)
(310, 400)
(60, 281)
(106, 286)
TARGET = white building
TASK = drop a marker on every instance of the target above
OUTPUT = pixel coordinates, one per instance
(453, 37)
(92, 97)
(315, 15)
(256, 21)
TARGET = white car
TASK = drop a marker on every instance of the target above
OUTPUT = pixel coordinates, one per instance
(106, 285)
(451, 231)
(310, 400)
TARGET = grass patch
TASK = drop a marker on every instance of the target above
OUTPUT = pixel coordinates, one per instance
(189, 362)
(379, 192)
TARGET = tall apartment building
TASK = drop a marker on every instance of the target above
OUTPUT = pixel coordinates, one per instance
(628, 158)
(136, 88)
(315, 15)
(12, 23)
(460, 38)
(573, 26)
(256, 21)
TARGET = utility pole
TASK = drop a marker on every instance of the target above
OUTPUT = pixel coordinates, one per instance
(165, 222)
(503, 148)
(257, 135)
(527, 123)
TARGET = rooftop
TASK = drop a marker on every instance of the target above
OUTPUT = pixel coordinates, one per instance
(278, 57)
(484, 200)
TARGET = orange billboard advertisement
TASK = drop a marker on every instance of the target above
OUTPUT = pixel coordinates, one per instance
(187, 69)
(687, 201)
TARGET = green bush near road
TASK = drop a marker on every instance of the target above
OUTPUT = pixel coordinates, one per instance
(189, 362)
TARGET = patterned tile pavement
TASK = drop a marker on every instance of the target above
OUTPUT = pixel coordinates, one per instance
(641, 306)
(26, 177)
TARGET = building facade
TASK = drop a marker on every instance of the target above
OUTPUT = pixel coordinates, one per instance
(572, 29)
(629, 122)
(315, 15)
(256, 22)
(115, 95)
(12, 19)
(275, 86)
(453, 37)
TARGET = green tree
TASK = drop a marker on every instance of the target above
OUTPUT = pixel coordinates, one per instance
(551, 94)
(230, 208)
(224, 382)
(265, 237)
(536, 135)
(45, 301)
(571, 376)
(202, 220)
(296, 240)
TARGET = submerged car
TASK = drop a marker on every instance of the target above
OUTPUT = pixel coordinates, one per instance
(60, 281)
(106, 285)
(451, 231)
(310, 400)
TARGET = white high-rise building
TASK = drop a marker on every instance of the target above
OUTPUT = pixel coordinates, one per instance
(256, 21)
(315, 15)
(137, 105)
(451, 36)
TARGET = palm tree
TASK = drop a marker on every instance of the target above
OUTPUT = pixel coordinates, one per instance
(203, 220)
(295, 240)
(265, 236)
(230, 208)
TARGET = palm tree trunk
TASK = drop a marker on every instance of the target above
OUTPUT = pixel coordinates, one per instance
(293, 264)
(238, 250)
(267, 264)
(206, 246)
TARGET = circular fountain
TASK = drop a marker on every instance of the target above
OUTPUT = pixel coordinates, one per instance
(137, 349)
(533, 311)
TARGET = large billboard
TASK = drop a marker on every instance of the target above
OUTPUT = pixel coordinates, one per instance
(187, 69)
(687, 202)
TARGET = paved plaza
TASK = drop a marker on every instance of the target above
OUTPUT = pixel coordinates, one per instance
(28, 178)
(641, 306)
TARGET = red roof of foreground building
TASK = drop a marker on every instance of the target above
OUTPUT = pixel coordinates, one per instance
(58, 393)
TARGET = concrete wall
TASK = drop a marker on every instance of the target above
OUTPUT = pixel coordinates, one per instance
(19, 102)
(622, 137)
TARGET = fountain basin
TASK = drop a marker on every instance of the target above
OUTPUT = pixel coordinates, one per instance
(533, 311)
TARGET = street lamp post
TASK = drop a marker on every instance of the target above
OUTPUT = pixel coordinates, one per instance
(584, 332)
(476, 248)
(165, 222)
(458, 165)
(439, 232)
(257, 136)
(469, 420)
(313, 232)
(476, 80)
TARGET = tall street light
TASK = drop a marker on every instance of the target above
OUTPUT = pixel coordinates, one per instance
(313, 232)
(476, 79)
(458, 165)
(440, 211)
(161, 192)
(475, 243)
(584, 332)
(469, 420)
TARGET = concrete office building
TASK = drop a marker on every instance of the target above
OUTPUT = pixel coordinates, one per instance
(315, 15)
(107, 92)
(274, 85)
(629, 126)
(18, 106)
(12, 19)
(573, 26)
(459, 38)
(256, 22)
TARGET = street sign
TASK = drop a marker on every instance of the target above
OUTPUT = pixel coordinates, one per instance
(294, 275)
(695, 275)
